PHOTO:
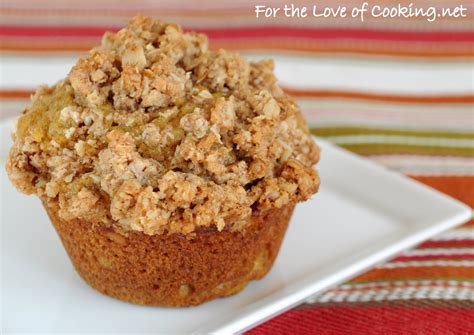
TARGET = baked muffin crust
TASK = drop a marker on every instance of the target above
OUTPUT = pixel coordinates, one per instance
(153, 132)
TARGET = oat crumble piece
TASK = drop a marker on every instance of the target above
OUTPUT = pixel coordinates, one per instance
(153, 131)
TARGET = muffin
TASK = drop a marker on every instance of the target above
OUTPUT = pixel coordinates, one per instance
(169, 171)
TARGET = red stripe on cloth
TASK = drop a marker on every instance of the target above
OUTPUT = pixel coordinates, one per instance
(433, 257)
(338, 33)
(370, 320)
(261, 32)
(447, 244)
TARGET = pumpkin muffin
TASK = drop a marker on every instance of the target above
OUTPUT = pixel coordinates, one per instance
(169, 171)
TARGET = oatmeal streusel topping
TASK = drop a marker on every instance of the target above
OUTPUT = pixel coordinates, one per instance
(153, 131)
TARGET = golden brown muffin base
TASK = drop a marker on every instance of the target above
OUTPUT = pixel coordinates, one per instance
(172, 270)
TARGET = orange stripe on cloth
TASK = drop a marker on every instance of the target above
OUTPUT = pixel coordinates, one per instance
(322, 94)
(431, 99)
(459, 187)
(420, 272)
(402, 285)
(15, 94)
(470, 223)
(293, 46)
(344, 47)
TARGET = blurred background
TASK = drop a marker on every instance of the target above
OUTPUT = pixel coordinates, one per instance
(396, 90)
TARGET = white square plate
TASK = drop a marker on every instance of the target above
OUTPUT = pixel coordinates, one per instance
(362, 215)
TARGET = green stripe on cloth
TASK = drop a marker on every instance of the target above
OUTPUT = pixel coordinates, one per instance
(380, 149)
(376, 141)
(337, 131)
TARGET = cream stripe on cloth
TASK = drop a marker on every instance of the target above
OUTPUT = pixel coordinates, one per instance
(374, 75)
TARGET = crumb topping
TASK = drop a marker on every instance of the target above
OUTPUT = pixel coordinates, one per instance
(154, 132)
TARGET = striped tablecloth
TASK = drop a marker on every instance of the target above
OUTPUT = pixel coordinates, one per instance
(396, 90)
